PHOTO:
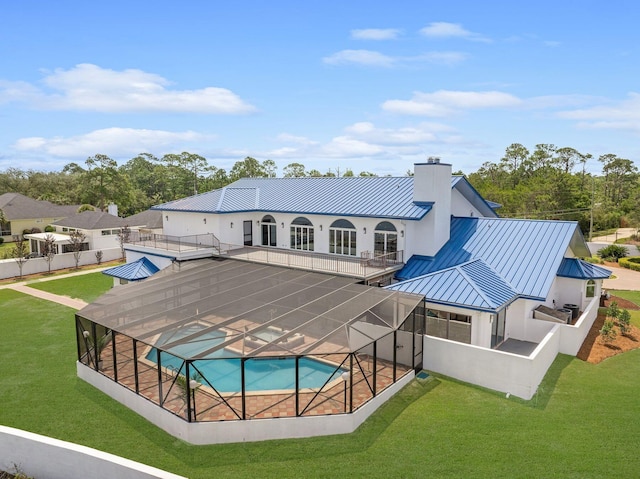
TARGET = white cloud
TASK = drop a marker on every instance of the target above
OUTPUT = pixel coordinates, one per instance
(443, 58)
(377, 59)
(116, 142)
(451, 30)
(375, 34)
(365, 140)
(624, 115)
(359, 57)
(444, 103)
(88, 87)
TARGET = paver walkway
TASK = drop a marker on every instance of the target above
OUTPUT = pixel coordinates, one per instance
(23, 287)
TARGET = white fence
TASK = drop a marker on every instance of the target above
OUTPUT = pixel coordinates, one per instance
(41, 456)
(9, 267)
(507, 372)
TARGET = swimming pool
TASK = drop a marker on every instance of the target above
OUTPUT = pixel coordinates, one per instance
(261, 374)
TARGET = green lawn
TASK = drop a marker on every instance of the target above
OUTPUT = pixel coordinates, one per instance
(583, 422)
(87, 286)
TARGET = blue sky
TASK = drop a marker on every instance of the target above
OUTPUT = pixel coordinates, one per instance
(367, 85)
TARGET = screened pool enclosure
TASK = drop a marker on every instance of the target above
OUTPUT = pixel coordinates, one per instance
(214, 340)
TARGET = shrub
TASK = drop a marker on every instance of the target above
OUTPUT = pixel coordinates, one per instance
(49, 229)
(593, 259)
(608, 332)
(26, 231)
(630, 263)
(36, 230)
(613, 311)
(613, 251)
(624, 321)
(1, 240)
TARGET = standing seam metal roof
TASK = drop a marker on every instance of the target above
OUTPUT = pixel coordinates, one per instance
(579, 269)
(473, 285)
(525, 253)
(381, 197)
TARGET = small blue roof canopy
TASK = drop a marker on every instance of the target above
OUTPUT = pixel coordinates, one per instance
(379, 197)
(134, 271)
(578, 269)
(519, 259)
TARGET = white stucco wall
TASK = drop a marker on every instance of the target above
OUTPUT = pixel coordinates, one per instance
(44, 457)
(240, 431)
(185, 224)
(461, 207)
(9, 267)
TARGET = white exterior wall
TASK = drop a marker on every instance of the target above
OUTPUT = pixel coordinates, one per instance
(9, 267)
(506, 372)
(184, 224)
(160, 261)
(461, 207)
(497, 370)
(41, 456)
(221, 432)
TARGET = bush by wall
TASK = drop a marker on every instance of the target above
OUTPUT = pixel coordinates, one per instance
(630, 263)
(594, 260)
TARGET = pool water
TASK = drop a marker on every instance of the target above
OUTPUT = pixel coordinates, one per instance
(261, 374)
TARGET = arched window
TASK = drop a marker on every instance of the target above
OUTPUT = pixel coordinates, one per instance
(342, 238)
(302, 234)
(268, 231)
(385, 240)
(591, 288)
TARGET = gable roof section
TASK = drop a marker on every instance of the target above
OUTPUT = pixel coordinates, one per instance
(473, 285)
(20, 207)
(92, 220)
(134, 271)
(578, 269)
(525, 253)
(380, 197)
(467, 190)
(148, 218)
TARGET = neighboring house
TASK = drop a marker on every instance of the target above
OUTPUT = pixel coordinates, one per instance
(24, 213)
(498, 298)
(146, 222)
(101, 231)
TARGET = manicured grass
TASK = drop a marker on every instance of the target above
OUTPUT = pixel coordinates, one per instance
(582, 423)
(87, 286)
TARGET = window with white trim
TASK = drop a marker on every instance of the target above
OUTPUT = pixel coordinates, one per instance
(342, 238)
(301, 232)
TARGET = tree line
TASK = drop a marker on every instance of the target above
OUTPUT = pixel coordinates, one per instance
(553, 183)
(141, 182)
(548, 182)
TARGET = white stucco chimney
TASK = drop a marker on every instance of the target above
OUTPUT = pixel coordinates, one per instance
(112, 209)
(432, 184)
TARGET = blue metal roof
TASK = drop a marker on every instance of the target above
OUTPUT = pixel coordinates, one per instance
(473, 285)
(380, 197)
(579, 269)
(525, 253)
(134, 271)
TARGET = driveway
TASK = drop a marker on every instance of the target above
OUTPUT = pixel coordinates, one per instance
(626, 279)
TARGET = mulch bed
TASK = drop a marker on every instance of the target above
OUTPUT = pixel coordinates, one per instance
(593, 350)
